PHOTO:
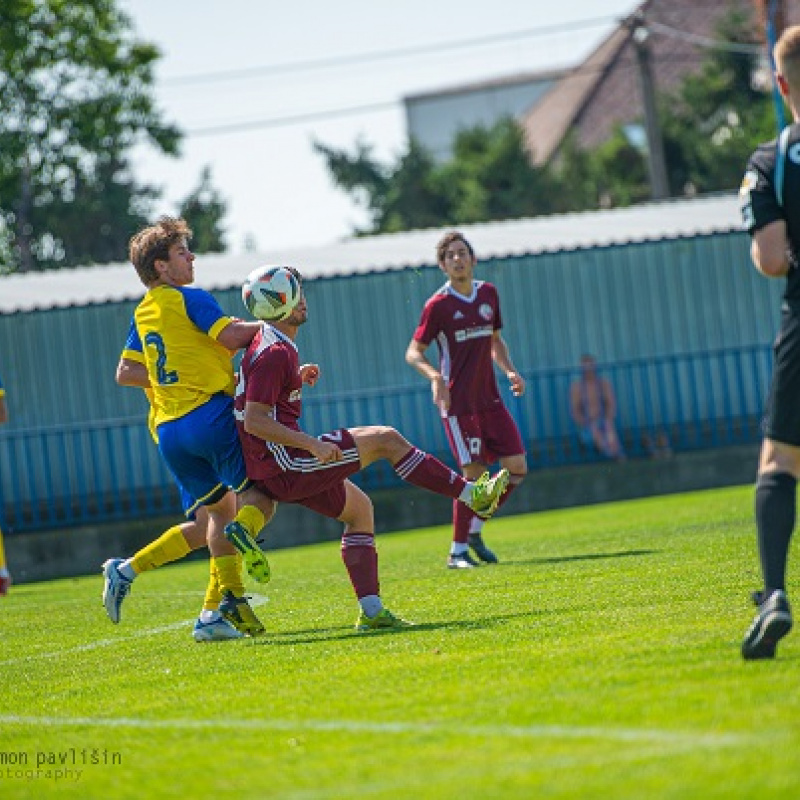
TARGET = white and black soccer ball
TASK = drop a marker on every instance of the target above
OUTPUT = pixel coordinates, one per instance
(271, 293)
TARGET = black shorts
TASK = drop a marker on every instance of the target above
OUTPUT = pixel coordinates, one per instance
(782, 416)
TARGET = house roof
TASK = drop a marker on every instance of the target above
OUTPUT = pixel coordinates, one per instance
(604, 92)
(548, 122)
(646, 222)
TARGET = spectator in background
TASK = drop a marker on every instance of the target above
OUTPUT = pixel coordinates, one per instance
(593, 407)
(5, 576)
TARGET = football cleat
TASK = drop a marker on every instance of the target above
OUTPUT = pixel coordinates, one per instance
(384, 620)
(220, 630)
(255, 560)
(486, 493)
(237, 611)
(772, 623)
(461, 561)
(115, 588)
(481, 550)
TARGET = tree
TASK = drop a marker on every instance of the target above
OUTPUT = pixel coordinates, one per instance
(716, 117)
(710, 125)
(204, 210)
(489, 177)
(75, 89)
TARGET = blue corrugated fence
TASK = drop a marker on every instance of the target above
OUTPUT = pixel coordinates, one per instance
(99, 472)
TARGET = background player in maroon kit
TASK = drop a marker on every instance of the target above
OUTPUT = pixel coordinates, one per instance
(463, 318)
(293, 467)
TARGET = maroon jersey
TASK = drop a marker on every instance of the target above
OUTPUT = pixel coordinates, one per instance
(462, 328)
(269, 374)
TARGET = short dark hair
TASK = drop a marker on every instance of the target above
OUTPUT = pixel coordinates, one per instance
(447, 240)
(152, 244)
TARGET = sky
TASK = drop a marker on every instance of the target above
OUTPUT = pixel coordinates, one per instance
(254, 83)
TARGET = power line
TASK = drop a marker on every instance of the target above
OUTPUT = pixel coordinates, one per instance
(349, 111)
(702, 41)
(384, 55)
(277, 122)
(314, 116)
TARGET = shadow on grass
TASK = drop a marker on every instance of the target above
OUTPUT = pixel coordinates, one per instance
(580, 557)
(338, 633)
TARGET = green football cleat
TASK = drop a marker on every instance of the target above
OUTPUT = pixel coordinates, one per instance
(487, 493)
(384, 620)
(255, 560)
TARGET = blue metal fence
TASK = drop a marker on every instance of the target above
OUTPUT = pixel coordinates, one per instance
(113, 470)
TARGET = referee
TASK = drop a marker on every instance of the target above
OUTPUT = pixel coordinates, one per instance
(770, 195)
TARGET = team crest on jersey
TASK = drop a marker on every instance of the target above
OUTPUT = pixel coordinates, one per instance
(485, 311)
(748, 182)
(295, 395)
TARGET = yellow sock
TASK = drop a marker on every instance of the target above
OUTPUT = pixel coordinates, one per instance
(2, 552)
(229, 574)
(213, 593)
(170, 546)
(252, 518)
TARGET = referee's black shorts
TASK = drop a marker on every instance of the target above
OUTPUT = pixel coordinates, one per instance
(782, 416)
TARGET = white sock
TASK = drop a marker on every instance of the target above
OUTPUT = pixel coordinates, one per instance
(371, 605)
(126, 570)
(457, 548)
(208, 615)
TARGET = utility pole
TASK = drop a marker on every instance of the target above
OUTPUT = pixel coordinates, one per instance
(656, 163)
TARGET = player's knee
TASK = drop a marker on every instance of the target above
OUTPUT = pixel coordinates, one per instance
(392, 443)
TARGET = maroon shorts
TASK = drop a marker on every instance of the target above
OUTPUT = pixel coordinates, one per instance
(307, 482)
(483, 437)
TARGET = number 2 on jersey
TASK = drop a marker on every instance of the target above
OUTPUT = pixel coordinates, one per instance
(165, 376)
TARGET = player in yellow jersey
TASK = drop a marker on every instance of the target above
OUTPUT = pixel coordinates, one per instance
(180, 345)
(5, 575)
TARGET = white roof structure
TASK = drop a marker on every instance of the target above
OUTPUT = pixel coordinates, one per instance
(646, 222)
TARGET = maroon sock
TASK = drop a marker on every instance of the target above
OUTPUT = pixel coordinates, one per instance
(462, 519)
(361, 560)
(427, 472)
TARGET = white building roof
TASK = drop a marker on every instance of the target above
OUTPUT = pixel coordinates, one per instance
(646, 222)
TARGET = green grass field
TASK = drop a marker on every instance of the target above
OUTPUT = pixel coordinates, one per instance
(600, 659)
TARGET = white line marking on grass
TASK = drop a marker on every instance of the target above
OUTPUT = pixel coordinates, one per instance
(637, 735)
(256, 600)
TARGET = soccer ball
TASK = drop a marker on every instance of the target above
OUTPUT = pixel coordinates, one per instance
(271, 293)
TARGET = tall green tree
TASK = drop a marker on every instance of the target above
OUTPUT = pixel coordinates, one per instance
(204, 209)
(489, 177)
(716, 117)
(76, 96)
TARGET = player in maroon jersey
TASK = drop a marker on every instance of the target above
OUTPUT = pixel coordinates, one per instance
(463, 318)
(291, 466)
